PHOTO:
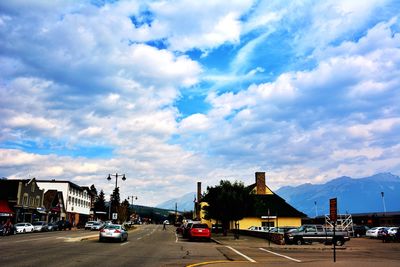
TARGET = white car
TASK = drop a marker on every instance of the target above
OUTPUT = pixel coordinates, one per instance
(96, 226)
(24, 227)
(89, 224)
(256, 228)
(393, 230)
(373, 232)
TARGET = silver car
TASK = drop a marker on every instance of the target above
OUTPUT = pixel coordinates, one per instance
(113, 232)
(96, 226)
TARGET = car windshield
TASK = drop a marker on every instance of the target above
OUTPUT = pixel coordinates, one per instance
(37, 223)
(20, 224)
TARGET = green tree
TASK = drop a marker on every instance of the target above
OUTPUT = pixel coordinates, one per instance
(115, 200)
(227, 202)
(100, 204)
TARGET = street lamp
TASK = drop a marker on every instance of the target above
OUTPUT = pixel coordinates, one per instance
(116, 185)
(116, 178)
(132, 198)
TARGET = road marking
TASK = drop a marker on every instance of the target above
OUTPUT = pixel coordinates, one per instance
(123, 244)
(211, 262)
(139, 238)
(26, 240)
(280, 255)
(241, 254)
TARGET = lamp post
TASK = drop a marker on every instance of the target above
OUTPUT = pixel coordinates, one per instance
(132, 198)
(383, 201)
(116, 185)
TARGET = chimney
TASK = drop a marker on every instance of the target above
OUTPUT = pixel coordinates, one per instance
(198, 192)
(260, 183)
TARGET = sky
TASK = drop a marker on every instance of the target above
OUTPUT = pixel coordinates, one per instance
(170, 93)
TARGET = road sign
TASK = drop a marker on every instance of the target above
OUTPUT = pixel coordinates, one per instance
(333, 209)
(115, 216)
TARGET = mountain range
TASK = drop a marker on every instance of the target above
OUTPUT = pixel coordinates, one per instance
(184, 203)
(360, 195)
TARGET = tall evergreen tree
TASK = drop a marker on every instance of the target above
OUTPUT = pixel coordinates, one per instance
(115, 202)
(100, 204)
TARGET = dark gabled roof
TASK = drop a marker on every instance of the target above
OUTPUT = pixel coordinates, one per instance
(276, 205)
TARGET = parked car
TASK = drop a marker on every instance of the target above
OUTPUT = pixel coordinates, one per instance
(24, 227)
(360, 230)
(40, 226)
(199, 231)
(52, 226)
(309, 233)
(64, 225)
(113, 232)
(96, 226)
(256, 228)
(393, 230)
(383, 233)
(89, 224)
(373, 232)
(217, 228)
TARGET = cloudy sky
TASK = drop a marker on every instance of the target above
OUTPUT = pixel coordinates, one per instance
(174, 92)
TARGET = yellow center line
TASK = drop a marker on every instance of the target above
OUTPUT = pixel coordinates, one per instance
(213, 262)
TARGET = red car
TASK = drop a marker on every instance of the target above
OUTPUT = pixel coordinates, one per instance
(199, 231)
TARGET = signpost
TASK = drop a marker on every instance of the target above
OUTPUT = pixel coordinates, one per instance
(333, 217)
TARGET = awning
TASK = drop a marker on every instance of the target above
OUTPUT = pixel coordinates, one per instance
(5, 209)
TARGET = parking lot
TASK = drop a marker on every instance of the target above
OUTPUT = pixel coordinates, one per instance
(357, 252)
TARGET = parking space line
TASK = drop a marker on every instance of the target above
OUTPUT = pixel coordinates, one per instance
(280, 255)
(123, 244)
(241, 254)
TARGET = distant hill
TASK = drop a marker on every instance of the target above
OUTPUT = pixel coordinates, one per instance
(353, 195)
(184, 203)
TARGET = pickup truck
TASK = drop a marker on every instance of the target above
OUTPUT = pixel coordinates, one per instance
(309, 233)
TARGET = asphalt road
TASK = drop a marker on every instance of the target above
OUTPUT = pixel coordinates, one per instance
(149, 245)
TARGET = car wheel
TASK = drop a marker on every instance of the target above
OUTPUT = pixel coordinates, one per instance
(339, 242)
(24, 231)
(299, 241)
(101, 239)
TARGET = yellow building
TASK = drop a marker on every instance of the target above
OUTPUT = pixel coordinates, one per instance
(269, 209)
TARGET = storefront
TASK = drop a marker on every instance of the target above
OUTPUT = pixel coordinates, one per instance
(6, 213)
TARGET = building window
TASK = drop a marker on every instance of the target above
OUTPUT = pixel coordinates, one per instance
(33, 187)
(25, 200)
(69, 199)
(37, 201)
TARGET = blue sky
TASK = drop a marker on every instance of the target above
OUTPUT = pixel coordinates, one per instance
(175, 92)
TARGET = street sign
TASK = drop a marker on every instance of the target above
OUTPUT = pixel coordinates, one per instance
(115, 216)
(333, 209)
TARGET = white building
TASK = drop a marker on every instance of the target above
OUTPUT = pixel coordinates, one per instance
(77, 200)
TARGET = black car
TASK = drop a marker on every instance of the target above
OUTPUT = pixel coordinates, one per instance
(64, 225)
(360, 230)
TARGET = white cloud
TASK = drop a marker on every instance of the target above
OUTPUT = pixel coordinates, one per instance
(194, 123)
